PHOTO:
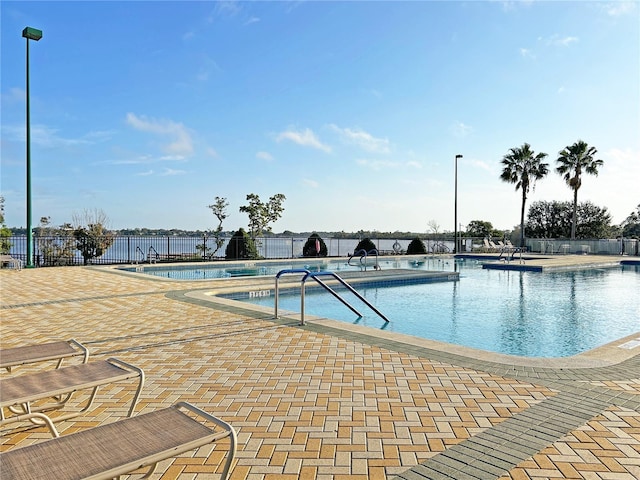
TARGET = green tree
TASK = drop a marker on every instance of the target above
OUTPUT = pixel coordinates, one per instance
(55, 245)
(365, 244)
(480, 228)
(572, 162)
(554, 220)
(549, 219)
(219, 209)
(416, 247)
(310, 248)
(262, 214)
(5, 233)
(594, 221)
(241, 246)
(93, 238)
(631, 225)
(523, 167)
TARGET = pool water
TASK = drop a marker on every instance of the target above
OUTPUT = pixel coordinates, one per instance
(533, 314)
(247, 269)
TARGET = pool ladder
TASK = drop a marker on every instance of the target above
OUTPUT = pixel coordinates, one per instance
(153, 259)
(306, 274)
(363, 258)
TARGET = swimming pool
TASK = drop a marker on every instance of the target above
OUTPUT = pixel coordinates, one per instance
(253, 269)
(555, 314)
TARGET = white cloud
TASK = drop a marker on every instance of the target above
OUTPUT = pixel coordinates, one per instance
(171, 158)
(377, 164)
(207, 66)
(14, 95)
(381, 164)
(182, 143)
(169, 172)
(144, 174)
(374, 92)
(559, 41)
(45, 136)
(264, 156)
(310, 183)
(306, 138)
(616, 9)
(143, 160)
(252, 20)
(459, 130)
(48, 137)
(527, 53)
(227, 8)
(510, 5)
(363, 139)
(482, 165)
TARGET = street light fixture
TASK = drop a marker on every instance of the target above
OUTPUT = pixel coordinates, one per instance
(30, 34)
(455, 208)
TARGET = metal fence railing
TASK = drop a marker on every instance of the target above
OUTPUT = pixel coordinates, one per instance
(616, 246)
(61, 250)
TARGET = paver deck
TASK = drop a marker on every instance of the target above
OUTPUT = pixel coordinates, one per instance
(327, 402)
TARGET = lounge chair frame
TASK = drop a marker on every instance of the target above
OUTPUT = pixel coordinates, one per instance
(61, 350)
(121, 447)
(56, 387)
(14, 263)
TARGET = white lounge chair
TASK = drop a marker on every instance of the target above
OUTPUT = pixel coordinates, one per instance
(12, 357)
(27, 397)
(121, 447)
(11, 262)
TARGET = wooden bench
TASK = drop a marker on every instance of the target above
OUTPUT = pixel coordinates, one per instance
(121, 447)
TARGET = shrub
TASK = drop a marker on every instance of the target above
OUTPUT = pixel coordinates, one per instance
(92, 241)
(5, 244)
(241, 246)
(365, 244)
(310, 248)
(416, 247)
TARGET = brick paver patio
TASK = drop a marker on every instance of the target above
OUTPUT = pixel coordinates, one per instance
(318, 402)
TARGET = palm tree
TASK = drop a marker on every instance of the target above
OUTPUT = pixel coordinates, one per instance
(572, 162)
(523, 167)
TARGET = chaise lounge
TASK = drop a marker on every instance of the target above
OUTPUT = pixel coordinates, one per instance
(121, 447)
(26, 397)
(15, 356)
(10, 262)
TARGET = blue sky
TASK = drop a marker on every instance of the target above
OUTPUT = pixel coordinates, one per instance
(354, 110)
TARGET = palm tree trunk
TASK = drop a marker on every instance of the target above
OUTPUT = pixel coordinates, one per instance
(524, 201)
(574, 220)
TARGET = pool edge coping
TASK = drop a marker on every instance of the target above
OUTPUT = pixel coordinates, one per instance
(605, 355)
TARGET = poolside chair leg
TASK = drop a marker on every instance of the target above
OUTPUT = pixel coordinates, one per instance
(233, 437)
(152, 469)
(136, 396)
(38, 419)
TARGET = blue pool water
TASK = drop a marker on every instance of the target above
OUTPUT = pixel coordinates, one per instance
(553, 314)
(244, 269)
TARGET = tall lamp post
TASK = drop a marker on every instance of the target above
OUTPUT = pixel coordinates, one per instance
(455, 208)
(30, 34)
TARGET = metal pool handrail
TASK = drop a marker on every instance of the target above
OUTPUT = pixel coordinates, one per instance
(363, 257)
(320, 282)
(288, 271)
(307, 274)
